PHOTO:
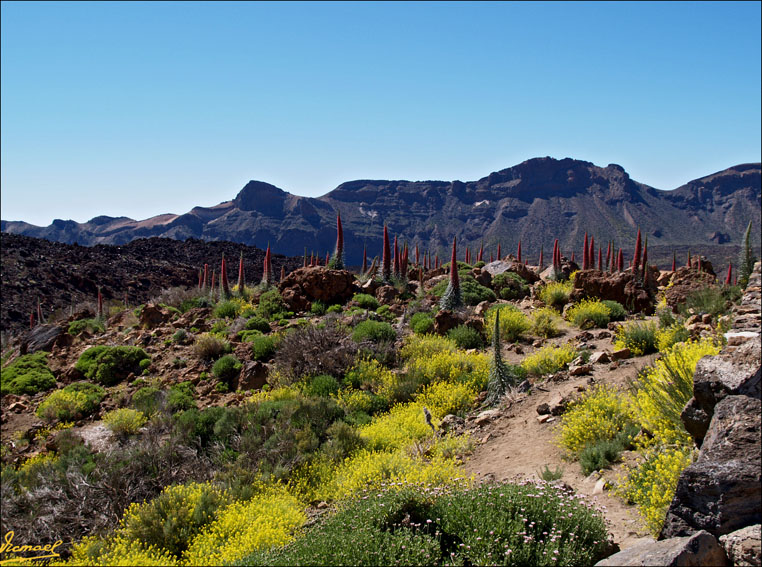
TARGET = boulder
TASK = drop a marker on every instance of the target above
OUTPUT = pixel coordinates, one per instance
(685, 281)
(305, 285)
(721, 491)
(451, 422)
(195, 317)
(508, 265)
(41, 337)
(624, 287)
(253, 376)
(445, 320)
(699, 549)
(482, 277)
(153, 315)
(599, 357)
(580, 369)
(386, 294)
(736, 373)
(743, 546)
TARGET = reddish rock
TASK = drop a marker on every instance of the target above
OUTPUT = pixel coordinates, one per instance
(305, 285)
(445, 320)
(253, 376)
(624, 287)
(509, 265)
(686, 281)
(153, 316)
(386, 294)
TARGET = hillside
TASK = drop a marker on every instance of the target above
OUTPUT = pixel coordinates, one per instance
(536, 201)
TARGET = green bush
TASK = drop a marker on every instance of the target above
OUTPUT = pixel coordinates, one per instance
(271, 305)
(109, 365)
(488, 524)
(638, 336)
(375, 331)
(545, 322)
(366, 301)
(317, 307)
(227, 368)
(466, 337)
(180, 397)
(422, 323)
(180, 337)
(28, 374)
(75, 401)
(322, 385)
(209, 346)
(248, 336)
(385, 313)
(226, 309)
(89, 325)
(147, 400)
(589, 313)
(617, 312)
(471, 291)
(258, 324)
(334, 309)
(124, 421)
(709, 300)
(510, 285)
(263, 347)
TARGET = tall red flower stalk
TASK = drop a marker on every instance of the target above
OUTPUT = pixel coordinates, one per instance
(689, 259)
(608, 255)
(31, 320)
(224, 287)
(396, 269)
(364, 259)
(386, 272)
(638, 250)
(645, 259)
(518, 253)
(452, 298)
(282, 273)
(241, 279)
(403, 263)
(674, 260)
(416, 254)
(591, 254)
(585, 262)
(480, 257)
(730, 270)
(572, 258)
(436, 261)
(337, 262)
(600, 259)
(620, 261)
(542, 251)
(211, 291)
(499, 256)
(267, 269)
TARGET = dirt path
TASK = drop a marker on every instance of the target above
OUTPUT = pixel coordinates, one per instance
(516, 445)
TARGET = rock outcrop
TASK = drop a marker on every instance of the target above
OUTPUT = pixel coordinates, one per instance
(305, 285)
(624, 287)
(696, 550)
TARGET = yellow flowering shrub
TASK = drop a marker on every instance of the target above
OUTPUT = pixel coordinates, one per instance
(268, 519)
(556, 294)
(275, 394)
(652, 485)
(666, 337)
(355, 400)
(665, 388)
(442, 398)
(589, 313)
(513, 323)
(372, 468)
(117, 550)
(371, 374)
(404, 424)
(600, 414)
(424, 346)
(638, 336)
(453, 367)
(124, 420)
(549, 359)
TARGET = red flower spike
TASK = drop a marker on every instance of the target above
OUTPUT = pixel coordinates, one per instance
(730, 270)
(591, 254)
(518, 253)
(674, 261)
(638, 247)
(282, 273)
(364, 259)
(387, 260)
(600, 259)
(241, 282)
(584, 254)
(499, 256)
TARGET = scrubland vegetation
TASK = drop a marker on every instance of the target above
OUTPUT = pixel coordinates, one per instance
(341, 457)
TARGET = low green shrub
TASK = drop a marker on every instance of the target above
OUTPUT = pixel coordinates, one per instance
(28, 374)
(588, 314)
(709, 300)
(147, 400)
(227, 368)
(466, 337)
(180, 397)
(109, 365)
(180, 337)
(258, 324)
(263, 347)
(638, 336)
(617, 312)
(471, 291)
(375, 331)
(545, 323)
(124, 421)
(510, 285)
(551, 475)
(548, 359)
(366, 301)
(90, 325)
(422, 323)
(248, 336)
(271, 306)
(317, 307)
(488, 524)
(334, 309)
(322, 385)
(226, 309)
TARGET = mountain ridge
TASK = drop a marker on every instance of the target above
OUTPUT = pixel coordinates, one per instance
(536, 201)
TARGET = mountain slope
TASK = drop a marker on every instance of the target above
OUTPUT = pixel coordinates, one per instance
(535, 201)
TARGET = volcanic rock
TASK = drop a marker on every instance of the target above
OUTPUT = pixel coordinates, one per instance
(305, 285)
(624, 287)
(699, 549)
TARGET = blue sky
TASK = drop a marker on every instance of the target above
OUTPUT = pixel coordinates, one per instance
(138, 109)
